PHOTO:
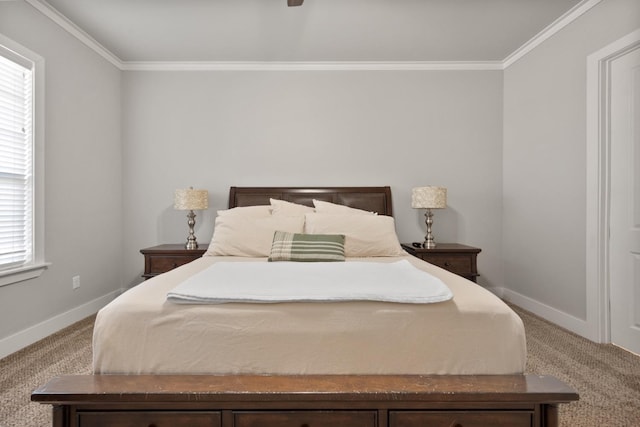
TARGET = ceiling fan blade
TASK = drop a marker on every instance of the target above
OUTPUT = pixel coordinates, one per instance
(294, 2)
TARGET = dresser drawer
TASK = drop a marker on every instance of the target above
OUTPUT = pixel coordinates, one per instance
(460, 419)
(162, 258)
(454, 257)
(458, 264)
(162, 264)
(149, 418)
(305, 419)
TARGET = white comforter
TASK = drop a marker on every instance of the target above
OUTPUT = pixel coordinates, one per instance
(261, 282)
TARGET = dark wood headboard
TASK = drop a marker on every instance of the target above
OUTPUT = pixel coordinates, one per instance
(374, 199)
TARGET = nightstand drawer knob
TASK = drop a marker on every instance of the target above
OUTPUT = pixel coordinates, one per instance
(447, 264)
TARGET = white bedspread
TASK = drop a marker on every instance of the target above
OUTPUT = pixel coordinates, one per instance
(260, 282)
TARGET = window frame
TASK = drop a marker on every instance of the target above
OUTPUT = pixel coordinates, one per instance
(38, 264)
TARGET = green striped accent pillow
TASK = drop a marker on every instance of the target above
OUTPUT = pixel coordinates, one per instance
(307, 247)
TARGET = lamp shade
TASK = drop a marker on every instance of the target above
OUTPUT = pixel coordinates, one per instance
(190, 199)
(429, 198)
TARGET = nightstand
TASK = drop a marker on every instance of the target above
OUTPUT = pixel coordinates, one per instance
(457, 258)
(162, 258)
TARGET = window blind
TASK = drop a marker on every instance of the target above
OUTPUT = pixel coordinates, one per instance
(16, 163)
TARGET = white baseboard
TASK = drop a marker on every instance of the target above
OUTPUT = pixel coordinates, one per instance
(28, 336)
(560, 318)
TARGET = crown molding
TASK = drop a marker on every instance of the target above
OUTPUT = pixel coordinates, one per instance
(557, 25)
(574, 13)
(47, 10)
(311, 66)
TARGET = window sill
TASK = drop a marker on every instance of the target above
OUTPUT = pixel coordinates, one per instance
(20, 274)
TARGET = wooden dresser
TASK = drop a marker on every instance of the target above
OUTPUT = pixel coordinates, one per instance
(454, 257)
(162, 258)
(299, 401)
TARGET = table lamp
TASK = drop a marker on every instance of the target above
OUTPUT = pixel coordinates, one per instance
(190, 199)
(429, 198)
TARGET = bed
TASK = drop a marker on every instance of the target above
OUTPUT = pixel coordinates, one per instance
(389, 362)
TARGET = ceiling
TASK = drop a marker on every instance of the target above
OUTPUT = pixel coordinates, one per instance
(319, 30)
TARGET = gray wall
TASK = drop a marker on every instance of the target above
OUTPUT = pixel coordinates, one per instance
(83, 174)
(215, 129)
(545, 159)
(119, 143)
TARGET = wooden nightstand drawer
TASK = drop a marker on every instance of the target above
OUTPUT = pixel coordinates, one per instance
(305, 418)
(161, 264)
(459, 264)
(460, 418)
(454, 257)
(149, 418)
(162, 258)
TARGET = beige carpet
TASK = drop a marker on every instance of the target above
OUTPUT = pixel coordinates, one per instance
(606, 377)
(63, 353)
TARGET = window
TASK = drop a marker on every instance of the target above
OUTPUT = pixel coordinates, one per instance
(21, 252)
(16, 170)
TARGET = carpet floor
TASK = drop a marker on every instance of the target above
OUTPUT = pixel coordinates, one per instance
(606, 377)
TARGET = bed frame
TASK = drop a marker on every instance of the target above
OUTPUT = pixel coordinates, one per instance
(373, 199)
(311, 400)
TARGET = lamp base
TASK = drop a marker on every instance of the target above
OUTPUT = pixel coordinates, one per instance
(192, 243)
(429, 242)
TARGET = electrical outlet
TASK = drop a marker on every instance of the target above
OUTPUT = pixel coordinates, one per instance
(76, 282)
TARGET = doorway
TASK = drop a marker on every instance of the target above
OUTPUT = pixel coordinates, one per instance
(613, 193)
(624, 222)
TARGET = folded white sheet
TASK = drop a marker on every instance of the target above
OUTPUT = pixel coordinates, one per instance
(260, 282)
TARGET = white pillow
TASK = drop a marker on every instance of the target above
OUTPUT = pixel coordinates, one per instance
(332, 208)
(365, 235)
(249, 211)
(238, 235)
(284, 208)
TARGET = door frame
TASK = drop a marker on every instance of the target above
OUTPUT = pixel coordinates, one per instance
(599, 183)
